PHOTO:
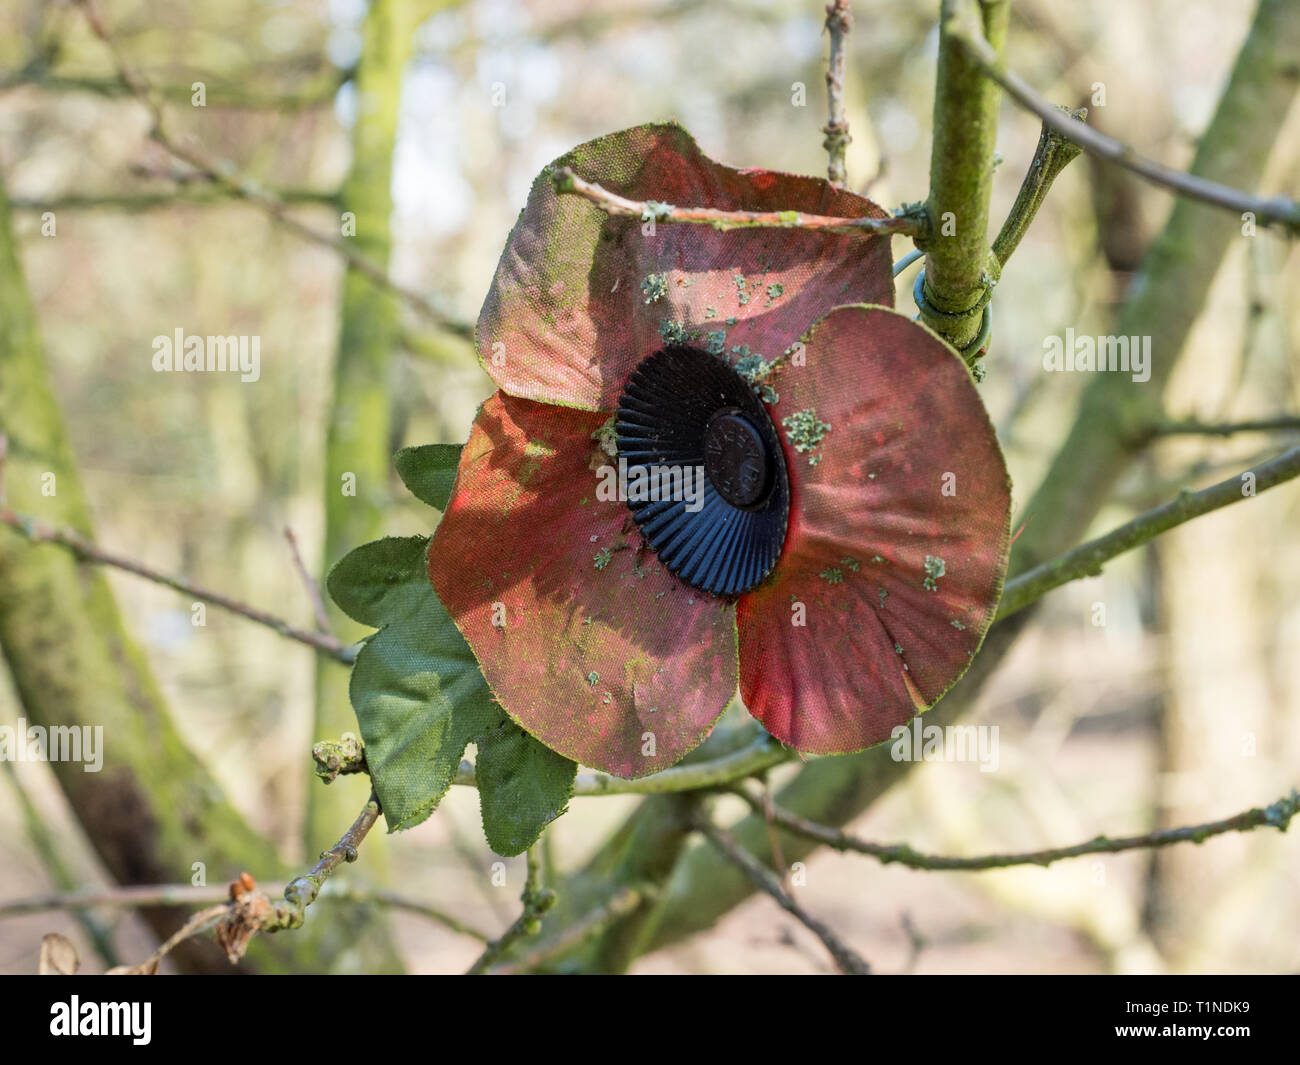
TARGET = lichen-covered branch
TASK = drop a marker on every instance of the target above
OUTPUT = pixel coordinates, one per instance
(1087, 559)
(959, 272)
(303, 890)
(335, 758)
(566, 182)
(1278, 210)
(1053, 154)
(1278, 815)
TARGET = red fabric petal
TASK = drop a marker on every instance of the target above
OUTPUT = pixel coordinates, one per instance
(598, 664)
(566, 318)
(884, 636)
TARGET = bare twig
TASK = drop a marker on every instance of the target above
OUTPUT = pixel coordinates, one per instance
(537, 900)
(157, 896)
(1278, 210)
(848, 960)
(200, 922)
(1087, 559)
(309, 582)
(86, 551)
(184, 195)
(301, 891)
(620, 904)
(1053, 154)
(1191, 427)
(566, 181)
(223, 174)
(1278, 816)
(839, 22)
(48, 849)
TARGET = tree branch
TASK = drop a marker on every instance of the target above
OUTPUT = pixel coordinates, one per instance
(959, 271)
(188, 194)
(1278, 210)
(839, 23)
(537, 900)
(347, 756)
(309, 582)
(225, 175)
(1191, 427)
(846, 958)
(303, 890)
(153, 896)
(85, 551)
(1087, 559)
(1277, 816)
(1053, 154)
(621, 903)
(567, 182)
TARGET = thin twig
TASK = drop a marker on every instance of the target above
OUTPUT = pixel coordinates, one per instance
(223, 174)
(839, 23)
(537, 900)
(184, 195)
(620, 904)
(567, 182)
(85, 551)
(157, 896)
(764, 753)
(848, 960)
(1278, 816)
(1279, 210)
(1053, 154)
(309, 582)
(1087, 559)
(48, 849)
(200, 922)
(1191, 427)
(302, 891)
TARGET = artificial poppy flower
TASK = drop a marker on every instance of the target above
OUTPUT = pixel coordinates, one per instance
(840, 558)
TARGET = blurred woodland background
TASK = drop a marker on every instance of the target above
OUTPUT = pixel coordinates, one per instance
(429, 119)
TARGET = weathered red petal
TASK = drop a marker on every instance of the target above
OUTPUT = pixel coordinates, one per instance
(616, 665)
(567, 317)
(909, 470)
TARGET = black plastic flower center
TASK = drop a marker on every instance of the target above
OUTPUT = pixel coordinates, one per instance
(703, 470)
(736, 459)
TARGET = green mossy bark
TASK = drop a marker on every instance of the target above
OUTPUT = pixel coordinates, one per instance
(358, 439)
(153, 809)
(961, 176)
(1170, 290)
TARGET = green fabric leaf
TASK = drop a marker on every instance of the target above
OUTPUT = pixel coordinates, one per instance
(523, 787)
(417, 691)
(374, 584)
(429, 471)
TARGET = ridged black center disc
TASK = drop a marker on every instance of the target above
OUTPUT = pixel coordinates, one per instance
(735, 458)
(718, 498)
